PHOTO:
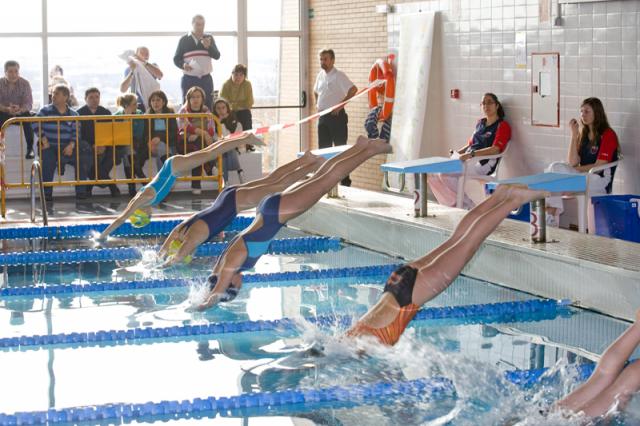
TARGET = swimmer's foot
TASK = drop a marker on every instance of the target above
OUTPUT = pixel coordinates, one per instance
(380, 146)
(522, 194)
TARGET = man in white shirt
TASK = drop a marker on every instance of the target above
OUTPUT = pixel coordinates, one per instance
(332, 87)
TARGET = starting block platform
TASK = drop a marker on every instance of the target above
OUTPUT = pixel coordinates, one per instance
(422, 167)
(552, 182)
(328, 153)
(562, 183)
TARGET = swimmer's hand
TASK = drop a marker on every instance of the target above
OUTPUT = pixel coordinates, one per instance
(212, 299)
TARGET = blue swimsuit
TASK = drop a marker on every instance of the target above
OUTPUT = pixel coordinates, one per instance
(162, 182)
(220, 214)
(257, 242)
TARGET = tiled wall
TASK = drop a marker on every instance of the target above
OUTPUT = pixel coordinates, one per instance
(598, 45)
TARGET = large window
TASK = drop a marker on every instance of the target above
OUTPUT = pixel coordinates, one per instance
(86, 38)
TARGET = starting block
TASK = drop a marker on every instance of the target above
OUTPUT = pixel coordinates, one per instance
(422, 167)
(552, 182)
(327, 154)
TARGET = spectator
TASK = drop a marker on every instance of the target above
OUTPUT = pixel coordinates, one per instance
(127, 105)
(193, 57)
(239, 93)
(593, 143)
(195, 133)
(229, 124)
(371, 123)
(141, 81)
(16, 101)
(56, 77)
(58, 140)
(104, 154)
(331, 88)
(161, 132)
(490, 138)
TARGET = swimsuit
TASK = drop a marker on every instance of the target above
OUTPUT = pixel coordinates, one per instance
(257, 242)
(162, 182)
(402, 291)
(219, 215)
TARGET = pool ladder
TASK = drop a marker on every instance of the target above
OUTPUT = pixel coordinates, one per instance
(36, 173)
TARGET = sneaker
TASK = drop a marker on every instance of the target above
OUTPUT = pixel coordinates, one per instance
(115, 191)
(553, 220)
(29, 155)
(196, 191)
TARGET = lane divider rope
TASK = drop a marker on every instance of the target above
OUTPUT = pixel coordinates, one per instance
(280, 279)
(280, 246)
(518, 311)
(357, 394)
(256, 403)
(62, 232)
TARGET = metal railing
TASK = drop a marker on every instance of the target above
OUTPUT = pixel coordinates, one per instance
(118, 141)
(36, 174)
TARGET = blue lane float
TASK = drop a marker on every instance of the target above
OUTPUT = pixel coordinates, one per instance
(280, 278)
(264, 402)
(528, 378)
(279, 402)
(520, 311)
(280, 246)
(63, 232)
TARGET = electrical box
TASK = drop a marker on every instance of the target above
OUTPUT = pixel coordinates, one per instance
(545, 89)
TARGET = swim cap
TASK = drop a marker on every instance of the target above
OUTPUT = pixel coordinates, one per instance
(173, 250)
(139, 219)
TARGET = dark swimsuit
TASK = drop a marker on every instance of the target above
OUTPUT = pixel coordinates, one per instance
(402, 291)
(257, 242)
(220, 214)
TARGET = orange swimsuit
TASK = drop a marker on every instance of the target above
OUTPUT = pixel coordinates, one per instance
(389, 334)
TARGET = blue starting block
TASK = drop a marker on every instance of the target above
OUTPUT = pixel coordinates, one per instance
(552, 182)
(327, 154)
(422, 167)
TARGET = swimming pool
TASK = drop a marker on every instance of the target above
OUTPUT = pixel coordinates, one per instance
(458, 362)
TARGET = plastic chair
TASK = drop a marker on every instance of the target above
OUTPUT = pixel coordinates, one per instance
(583, 199)
(469, 165)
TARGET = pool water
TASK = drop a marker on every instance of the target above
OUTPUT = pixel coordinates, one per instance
(473, 356)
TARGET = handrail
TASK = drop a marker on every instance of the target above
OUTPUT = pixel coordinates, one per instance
(95, 180)
(387, 187)
(36, 173)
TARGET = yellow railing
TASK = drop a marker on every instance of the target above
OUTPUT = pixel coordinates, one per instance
(110, 131)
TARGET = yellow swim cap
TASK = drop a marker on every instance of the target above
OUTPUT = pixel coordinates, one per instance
(139, 218)
(173, 250)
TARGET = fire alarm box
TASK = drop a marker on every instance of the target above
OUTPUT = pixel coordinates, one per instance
(545, 89)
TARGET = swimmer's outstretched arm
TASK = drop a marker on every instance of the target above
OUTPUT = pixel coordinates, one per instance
(141, 199)
(176, 233)
(610, 382)
(226, 271)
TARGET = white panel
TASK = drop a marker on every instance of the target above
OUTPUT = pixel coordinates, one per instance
(414, 69)
(545, 89)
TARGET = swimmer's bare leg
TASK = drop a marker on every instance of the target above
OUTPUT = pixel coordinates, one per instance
(435, 275)
(498, 196)
(299, 199)
(247, 198)
(598, 393)
(437, 270)
(183, 164)
(283, 171)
